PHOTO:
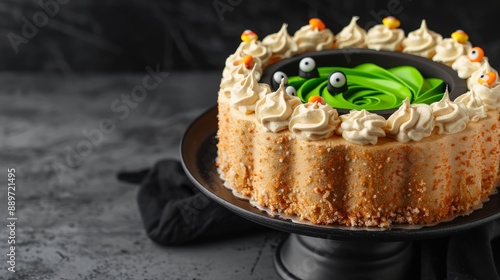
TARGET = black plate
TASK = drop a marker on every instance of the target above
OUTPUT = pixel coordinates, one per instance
(198, 153)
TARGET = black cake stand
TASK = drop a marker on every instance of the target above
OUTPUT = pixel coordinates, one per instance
(312, 251)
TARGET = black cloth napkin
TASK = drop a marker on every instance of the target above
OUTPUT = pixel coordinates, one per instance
(469, 255)
(175, 212)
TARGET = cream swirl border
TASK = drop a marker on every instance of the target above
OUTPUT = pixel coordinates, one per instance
(451, 103)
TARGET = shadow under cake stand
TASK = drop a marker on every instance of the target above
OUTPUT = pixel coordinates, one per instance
(313, 251)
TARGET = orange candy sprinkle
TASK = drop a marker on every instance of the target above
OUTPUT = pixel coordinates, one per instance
(247, 60)
(248, 36)
(476, 54)
(460, 36)
(316, 23)
(487, 79)
(391, 22)
(316, 98)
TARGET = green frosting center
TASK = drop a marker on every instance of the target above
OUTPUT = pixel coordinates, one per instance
(372, 87)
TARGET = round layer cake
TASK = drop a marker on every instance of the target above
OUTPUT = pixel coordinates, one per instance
(283, 147)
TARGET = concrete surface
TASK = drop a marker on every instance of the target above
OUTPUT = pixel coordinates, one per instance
(75, 220)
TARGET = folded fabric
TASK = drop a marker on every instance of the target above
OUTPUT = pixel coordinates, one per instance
(475, 254)
(175, 212)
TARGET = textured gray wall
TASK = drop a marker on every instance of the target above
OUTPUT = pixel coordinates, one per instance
(126, 35)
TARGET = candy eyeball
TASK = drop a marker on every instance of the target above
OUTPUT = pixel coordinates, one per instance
(277, 77)
(307, 68)
(291, 91)
(487, 79)
(307, 64)
(337, 79)
(476, 54)
(337, 82)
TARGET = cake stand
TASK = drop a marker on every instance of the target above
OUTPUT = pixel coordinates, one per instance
(313, 251)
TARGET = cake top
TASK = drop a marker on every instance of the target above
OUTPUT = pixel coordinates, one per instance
(366, 86)
(404, 86)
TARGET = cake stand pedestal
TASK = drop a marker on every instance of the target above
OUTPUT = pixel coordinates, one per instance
(304, 257)
(313, 251)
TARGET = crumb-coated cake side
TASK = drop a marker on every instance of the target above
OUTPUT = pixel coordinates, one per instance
(335, 181)
(423, 164)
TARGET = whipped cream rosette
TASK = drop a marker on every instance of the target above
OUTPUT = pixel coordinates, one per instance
(362, 127)
(467, 64)
(281, 44)
(474, 104)
(244, 64)
(450, 117)
(484, 82)
(489, 96)
(314, 121)
(250, 45)
(422, 42)
(410, 122)
(246, 93)
(314, 37)
(273, 110)
(351, 36)
(465, 67)
(386, 36)
(484, 69)
(234, 76)
(449, 50)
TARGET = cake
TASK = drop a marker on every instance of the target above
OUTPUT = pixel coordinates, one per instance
(422, 154)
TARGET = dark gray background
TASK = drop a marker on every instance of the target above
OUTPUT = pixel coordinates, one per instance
(84, 224)
(127, 35)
